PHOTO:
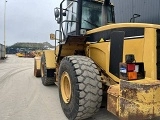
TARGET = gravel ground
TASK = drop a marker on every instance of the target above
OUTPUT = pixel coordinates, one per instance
(23, 97)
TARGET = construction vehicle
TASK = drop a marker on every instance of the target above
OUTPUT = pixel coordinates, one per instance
(21, 52)
(38, 53)
(28, 53)
(94, 55)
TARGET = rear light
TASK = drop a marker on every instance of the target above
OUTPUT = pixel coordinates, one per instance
(132, 75)
(130, 67)
(131, 71)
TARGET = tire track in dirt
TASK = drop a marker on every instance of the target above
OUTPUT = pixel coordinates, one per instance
(9, 74)
(19, 100)
(23, 97)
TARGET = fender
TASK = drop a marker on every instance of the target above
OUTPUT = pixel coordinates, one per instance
(37, 66)
(50, 59)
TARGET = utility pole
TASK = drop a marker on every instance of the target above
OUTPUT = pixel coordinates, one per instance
(5, 27)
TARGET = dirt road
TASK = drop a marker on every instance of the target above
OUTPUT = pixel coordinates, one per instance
(23, 97)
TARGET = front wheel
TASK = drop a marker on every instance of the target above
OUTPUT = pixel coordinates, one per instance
(46, 81)
(80, 88)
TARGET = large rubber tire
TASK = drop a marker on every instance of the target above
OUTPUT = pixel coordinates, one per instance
(46, 81)
(86, 87)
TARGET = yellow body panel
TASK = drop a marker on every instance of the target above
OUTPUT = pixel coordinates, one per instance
(134, 46)
(149, 56)
(37, 66)
(38, 62)
(100, 53)
(50, 59)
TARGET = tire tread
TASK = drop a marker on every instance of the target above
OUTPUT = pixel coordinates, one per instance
(46, 81)
(89, 84)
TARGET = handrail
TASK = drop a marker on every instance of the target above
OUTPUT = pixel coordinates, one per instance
(62, 26)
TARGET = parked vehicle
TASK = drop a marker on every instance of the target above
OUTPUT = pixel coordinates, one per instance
(95, 55)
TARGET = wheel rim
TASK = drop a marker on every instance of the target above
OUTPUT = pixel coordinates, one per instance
(66, 87)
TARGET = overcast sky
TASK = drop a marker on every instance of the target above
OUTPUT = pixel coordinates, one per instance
(28, 20)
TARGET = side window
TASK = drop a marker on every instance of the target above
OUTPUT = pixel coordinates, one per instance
(110, 14)
(91, 15)
(71, 16)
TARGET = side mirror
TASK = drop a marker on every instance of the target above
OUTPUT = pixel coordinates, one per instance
(56, 12)
(52, 36)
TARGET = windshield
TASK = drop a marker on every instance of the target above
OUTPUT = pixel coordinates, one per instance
(91, 14)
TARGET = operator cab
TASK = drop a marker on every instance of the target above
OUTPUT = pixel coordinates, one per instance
(83, 15)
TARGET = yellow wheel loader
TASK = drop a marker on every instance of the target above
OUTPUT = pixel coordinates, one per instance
(25, 53)
(93, 55)
(20, 54)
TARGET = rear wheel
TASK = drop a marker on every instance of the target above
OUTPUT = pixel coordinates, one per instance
(45, 79)
(80, 88)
